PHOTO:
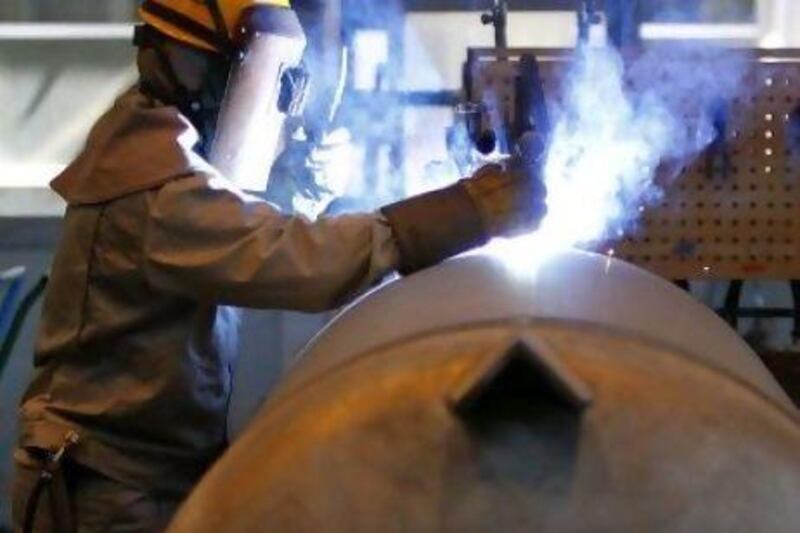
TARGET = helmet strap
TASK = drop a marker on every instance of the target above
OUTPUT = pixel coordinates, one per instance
(219, 23)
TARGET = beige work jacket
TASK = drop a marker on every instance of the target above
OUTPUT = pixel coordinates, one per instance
(136, 348)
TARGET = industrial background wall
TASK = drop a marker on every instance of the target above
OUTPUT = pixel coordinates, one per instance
(74, 10)
(57, 78)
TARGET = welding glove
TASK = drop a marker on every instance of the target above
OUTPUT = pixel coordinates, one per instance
(309, 175)
(499, 200)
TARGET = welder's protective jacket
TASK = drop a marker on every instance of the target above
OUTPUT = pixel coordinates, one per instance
(135, 349)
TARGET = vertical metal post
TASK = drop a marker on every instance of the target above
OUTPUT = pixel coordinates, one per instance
(624, 18)
(586, 17)
(498, 17)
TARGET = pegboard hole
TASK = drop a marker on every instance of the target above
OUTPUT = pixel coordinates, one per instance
(769, 81)
(769, 134)
(769, 117)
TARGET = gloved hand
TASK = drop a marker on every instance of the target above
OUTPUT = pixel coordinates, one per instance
(499, 200)
(309, 175)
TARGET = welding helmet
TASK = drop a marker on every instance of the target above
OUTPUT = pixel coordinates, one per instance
(264, 43)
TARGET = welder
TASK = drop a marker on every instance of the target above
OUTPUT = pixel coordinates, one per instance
(127, 407)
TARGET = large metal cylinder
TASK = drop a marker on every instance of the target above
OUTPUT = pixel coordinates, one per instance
(581, 395)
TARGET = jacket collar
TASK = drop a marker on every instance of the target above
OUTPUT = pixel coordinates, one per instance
(137, 145)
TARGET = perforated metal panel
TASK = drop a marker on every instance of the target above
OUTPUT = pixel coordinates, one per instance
(742, 223)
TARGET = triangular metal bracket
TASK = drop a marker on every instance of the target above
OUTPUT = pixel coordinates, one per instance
(527, 368)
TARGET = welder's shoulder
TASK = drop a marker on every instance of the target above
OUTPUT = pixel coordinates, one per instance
(134, 147)
(206, 199)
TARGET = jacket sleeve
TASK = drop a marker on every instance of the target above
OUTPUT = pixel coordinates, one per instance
(206, 240)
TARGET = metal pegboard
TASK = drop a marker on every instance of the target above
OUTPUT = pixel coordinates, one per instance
(743, 223)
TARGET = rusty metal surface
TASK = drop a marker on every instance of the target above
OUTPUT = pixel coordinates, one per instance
(666, 445)
(575, 286)
(743, 225)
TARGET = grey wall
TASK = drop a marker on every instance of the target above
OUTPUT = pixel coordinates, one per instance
(53, 92)
(72, 10)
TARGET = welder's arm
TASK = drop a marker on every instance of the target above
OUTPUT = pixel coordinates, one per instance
(498, 201)
(208, 241)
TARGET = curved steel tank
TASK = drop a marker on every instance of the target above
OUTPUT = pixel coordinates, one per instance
(582, 395)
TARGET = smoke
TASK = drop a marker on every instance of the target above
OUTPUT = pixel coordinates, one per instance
(623, 128)
(619, 126)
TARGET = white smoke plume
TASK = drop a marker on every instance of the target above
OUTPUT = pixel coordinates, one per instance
(617, 125)
(615, 129)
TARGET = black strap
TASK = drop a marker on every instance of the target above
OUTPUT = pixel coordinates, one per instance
(32, 504)
(211, 37)
(219, 21)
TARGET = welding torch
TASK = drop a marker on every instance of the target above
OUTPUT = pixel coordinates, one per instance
(309, 136)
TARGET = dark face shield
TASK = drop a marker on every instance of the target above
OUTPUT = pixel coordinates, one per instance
(267, 84)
